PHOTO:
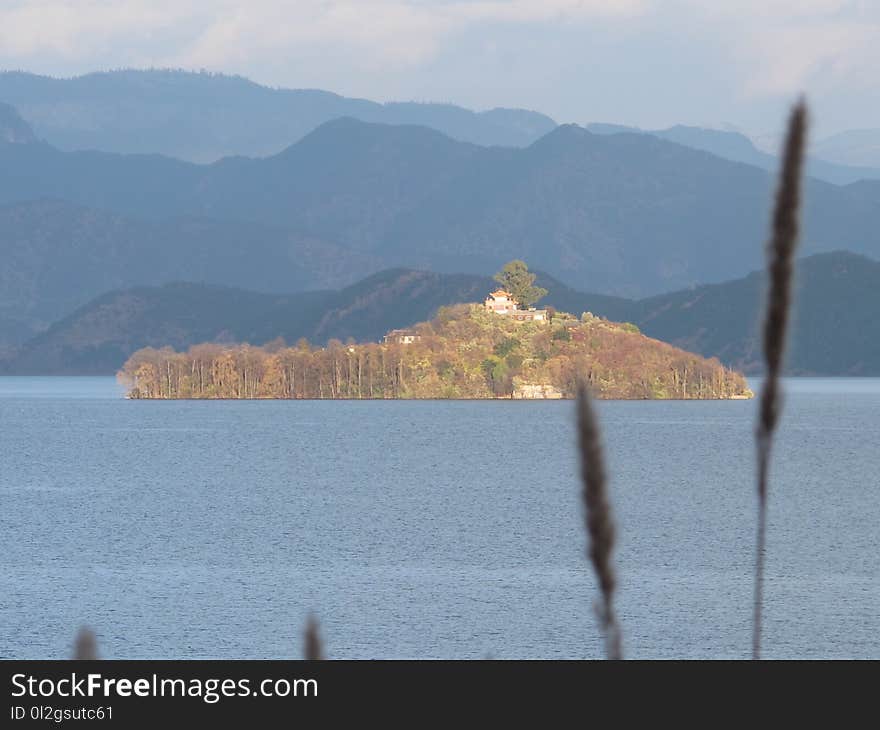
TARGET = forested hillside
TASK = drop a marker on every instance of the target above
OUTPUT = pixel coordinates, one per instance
(98, 337)
(834, 327)
(58, 256)
(465, 352)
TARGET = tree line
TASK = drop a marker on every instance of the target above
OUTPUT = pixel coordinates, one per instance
(465, 352)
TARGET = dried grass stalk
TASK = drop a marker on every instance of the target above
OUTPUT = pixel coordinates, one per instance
(780, 262)
(85, 646)
(313, 649)
(600, 526)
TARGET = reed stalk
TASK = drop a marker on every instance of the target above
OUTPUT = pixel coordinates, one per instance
(85, 646)
(599, 523)
(780, 263)
(313, 649)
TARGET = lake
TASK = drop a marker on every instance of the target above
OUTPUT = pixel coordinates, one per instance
(185, 529)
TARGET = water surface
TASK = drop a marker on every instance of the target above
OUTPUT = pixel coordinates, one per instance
(187, 529)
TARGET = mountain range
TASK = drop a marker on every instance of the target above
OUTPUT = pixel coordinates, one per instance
(627, 214)
(834, 324)
(202, 117)
(56, 256)
(623, 214)
(738, 147)
(851, 147)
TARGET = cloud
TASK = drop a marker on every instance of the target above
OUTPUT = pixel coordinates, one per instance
(783, 46)
(618, 52)
(788, 41)
(74, 30)
(791, 59)
(220, 31)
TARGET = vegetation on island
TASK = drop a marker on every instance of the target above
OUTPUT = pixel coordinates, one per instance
(833, 330)
(464, 352)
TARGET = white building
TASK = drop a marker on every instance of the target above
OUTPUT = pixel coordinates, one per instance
(502, 302)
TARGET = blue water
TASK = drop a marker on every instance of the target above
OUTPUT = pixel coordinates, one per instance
(427, 529)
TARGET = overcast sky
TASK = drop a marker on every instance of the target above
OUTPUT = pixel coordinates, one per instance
(650, 63)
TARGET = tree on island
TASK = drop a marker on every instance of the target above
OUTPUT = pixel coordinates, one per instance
(516, 278)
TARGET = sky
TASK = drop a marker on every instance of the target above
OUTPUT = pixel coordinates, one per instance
(648, 63)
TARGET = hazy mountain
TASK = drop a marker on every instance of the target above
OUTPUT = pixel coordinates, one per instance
(625, 214)
(835, 328)
(57, 256)
(100, 336)
(202, 117)
(853, 147)
(739, 148)
(13, 129)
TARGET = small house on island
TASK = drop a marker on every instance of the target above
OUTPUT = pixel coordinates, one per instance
(402, 337)
(502, 302)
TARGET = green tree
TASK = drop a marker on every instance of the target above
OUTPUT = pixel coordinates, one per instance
(497, 374)
(506, 346)
(516, 278)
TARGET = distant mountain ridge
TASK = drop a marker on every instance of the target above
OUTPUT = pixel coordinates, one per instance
(100, 336)
(623, 214)
(852, 147)
(739, 148)
(835, 329)
(202, 117)
(57, 256)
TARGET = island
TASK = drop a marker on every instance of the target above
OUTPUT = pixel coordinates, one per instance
(502, 348)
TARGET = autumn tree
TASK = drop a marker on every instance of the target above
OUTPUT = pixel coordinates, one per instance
(516, 278)
(465, 353)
